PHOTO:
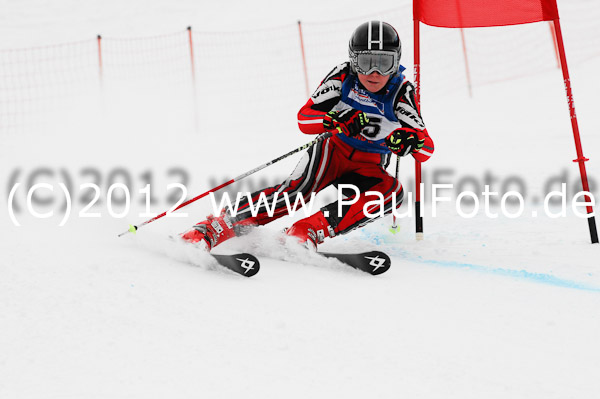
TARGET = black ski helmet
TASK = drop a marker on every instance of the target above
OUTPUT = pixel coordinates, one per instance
(375, 38)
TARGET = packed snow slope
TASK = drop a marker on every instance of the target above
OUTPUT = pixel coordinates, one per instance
(483, 307)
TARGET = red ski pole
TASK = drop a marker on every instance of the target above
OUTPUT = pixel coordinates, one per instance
(133, 228)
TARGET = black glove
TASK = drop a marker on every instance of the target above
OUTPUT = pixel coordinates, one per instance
(350, 121)
(403, 141)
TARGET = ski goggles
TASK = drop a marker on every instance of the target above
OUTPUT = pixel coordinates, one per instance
(367, 62)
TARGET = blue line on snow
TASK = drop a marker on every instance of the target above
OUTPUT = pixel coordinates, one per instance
(520, 274)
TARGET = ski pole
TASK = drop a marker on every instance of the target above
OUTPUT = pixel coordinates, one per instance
(394, 228)
(133, 228)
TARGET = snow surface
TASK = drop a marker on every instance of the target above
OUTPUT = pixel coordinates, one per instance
(481, 308)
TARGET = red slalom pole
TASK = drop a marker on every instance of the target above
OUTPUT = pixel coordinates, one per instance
(580, 158)
(417, 62)
(554, 42)
(133, 228)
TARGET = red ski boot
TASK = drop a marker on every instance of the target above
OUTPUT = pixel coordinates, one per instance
(210, 232)
(311, 231)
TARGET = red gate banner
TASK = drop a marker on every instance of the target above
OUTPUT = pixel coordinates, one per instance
(484, 13)
(480, 13)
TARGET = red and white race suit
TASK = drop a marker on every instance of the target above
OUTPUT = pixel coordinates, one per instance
(359, 161)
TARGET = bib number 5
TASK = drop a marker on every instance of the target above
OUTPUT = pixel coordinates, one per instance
(372, 129)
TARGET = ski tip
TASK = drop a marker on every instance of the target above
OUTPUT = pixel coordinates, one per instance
(249, 264)
(372, 262)
(243, 263)
(378, 262)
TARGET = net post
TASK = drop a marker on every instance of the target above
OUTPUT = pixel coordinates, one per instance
(100, 67)
(467, 69)
(306, 86)
(193, 70)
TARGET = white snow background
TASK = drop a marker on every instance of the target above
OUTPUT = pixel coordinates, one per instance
(481, 308)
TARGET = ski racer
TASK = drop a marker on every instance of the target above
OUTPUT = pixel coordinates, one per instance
(370, 108)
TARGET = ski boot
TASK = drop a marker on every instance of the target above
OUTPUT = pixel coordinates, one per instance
(311, 231)
(210, 232)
